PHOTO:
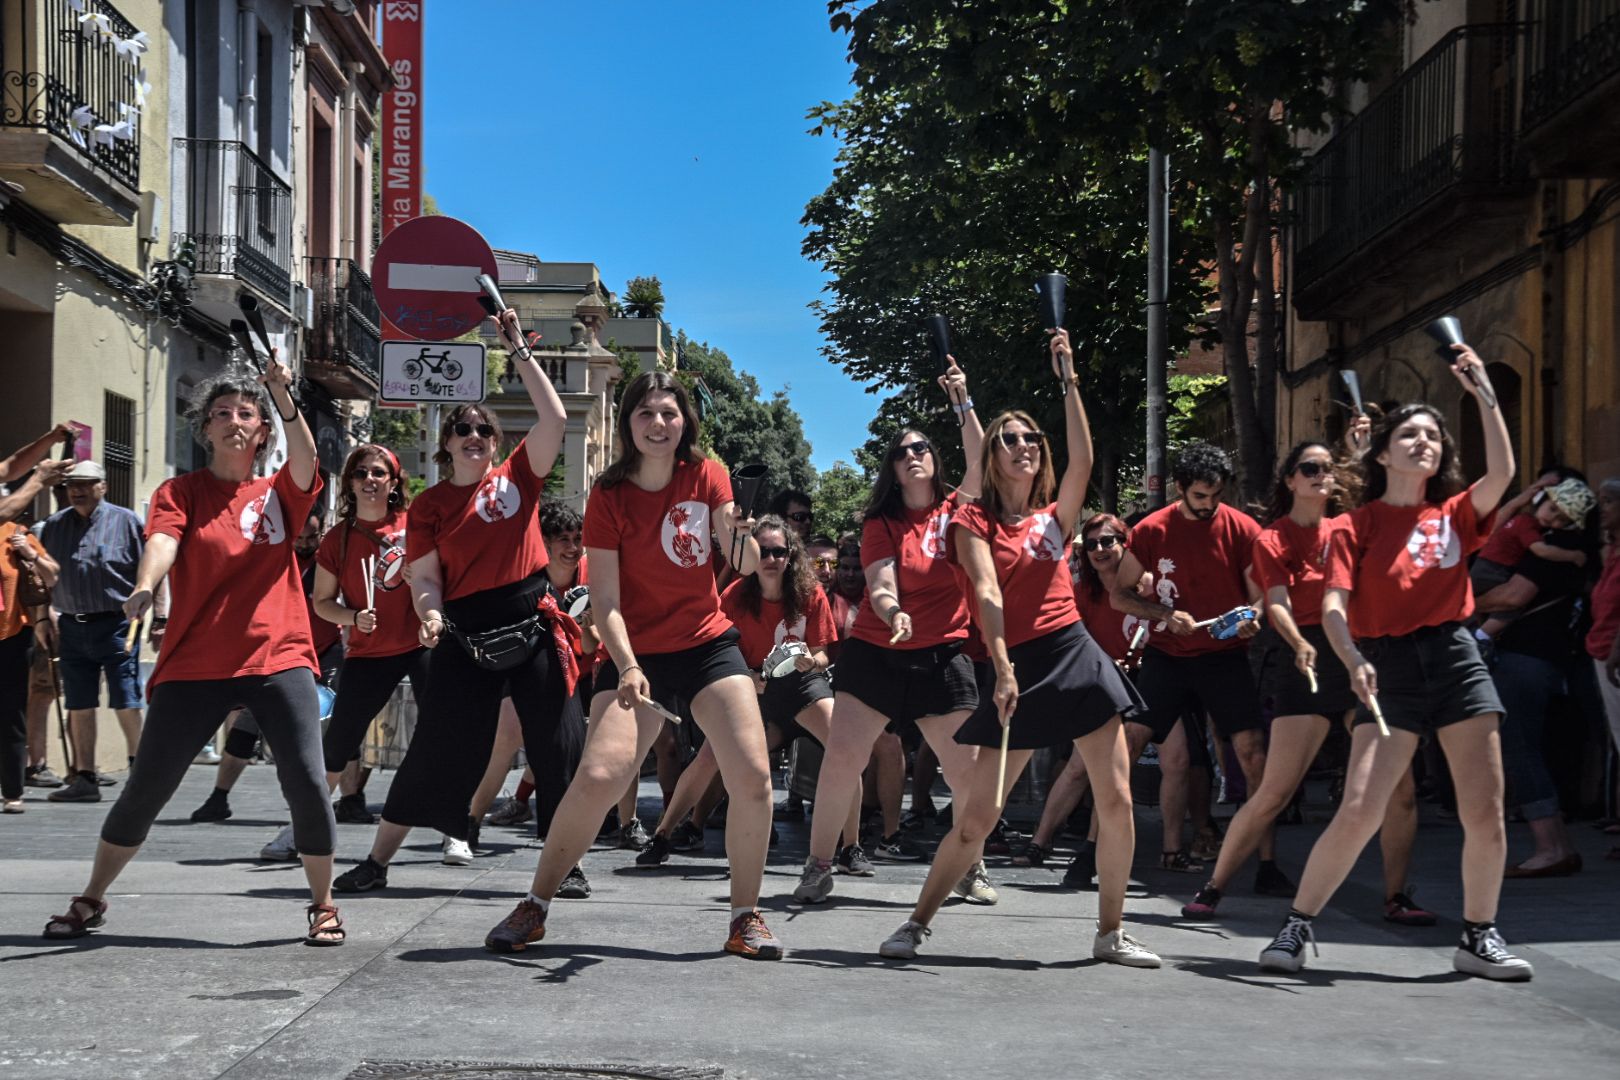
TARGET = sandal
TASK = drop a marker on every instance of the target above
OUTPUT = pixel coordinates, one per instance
(76, 925)
(1033, 855)
(325, 926)
(1179, 862)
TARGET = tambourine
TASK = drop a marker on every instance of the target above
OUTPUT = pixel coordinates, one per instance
(326, 698)
(780, 662)
(1226, 626)
(391, 569)
(577, 601)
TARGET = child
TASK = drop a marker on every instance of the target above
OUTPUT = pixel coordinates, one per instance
(1551, 531)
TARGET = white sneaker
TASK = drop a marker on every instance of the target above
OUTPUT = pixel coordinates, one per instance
(975, 886)
(1488, 958)
(456, 852)
(206, 756)
(281, 849)
(902, 944)
(1118, 947)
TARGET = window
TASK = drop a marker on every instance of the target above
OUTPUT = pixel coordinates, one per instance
(118, 448)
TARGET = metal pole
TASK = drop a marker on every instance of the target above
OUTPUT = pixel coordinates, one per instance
(1157, 349)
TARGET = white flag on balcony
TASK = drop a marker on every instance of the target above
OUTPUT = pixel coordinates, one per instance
(94, 24)
(142, 88)
(132, 48)
(83, 119)
(106, 133)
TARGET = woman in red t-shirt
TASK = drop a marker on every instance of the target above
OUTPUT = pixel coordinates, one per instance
(477, 577)
(903, 659)
(651, 527)
(1603, 641)
(1053, 683)
(238, 632)
(1396, 603)
(1290, 567)
(780, 602)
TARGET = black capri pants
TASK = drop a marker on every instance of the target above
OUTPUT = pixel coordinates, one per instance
(457, 717)
(368, 683)
(183, 716)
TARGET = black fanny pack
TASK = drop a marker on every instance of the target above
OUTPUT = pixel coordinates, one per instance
(504, 647)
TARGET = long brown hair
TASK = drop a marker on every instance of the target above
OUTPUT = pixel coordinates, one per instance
(1040, 494)
(1090, 580)
(348, 509)
(1281, 503)
(643, 385)
(1446, 481)
(798, 580)
(885, 500)
(441, 456)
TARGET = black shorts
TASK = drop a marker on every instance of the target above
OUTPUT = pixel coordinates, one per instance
(1429, 678)
(1218, 684)
(907, 684)
(787, 695)
(1333, 697)
(677, 677)
(1067, 688)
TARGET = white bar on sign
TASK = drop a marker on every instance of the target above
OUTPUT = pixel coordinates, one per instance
(431, 277)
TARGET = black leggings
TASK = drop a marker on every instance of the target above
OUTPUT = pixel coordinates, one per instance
(456, 719)
(184, 715)
(554, 767)
(14, 712)
(368, 683)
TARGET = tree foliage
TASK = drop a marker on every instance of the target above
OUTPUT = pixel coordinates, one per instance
(643, 298)
(839, 497)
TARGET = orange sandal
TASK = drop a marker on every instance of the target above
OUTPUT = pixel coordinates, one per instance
(324, 922)
(77, 925)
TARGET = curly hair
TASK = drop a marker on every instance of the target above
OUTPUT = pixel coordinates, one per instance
(347, 507)
(1201, 463)
(798, 580)
(886, 500)
(1090, 580)
(1446, 481)
(235, 379)
(557, 518)
(1281, 503)
(640, 388)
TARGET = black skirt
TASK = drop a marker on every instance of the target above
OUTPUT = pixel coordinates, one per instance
(1067, 688)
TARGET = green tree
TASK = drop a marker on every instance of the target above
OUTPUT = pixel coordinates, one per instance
(643, 298)
(840, 496)
(741, 427)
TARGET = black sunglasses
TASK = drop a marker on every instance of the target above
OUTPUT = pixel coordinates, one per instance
(1311, 469)
(464, 429)
(1105, 542)
(1011, 439)
(905, 450)
(773, 552)
(375, 472)
(802, 517)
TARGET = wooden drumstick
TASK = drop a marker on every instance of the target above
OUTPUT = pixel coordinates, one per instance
(1378, 715)
(660, 710)
(1310, 677)
(1001, 768)
(133, 636)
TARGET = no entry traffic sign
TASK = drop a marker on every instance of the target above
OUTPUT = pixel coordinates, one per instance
(420, 372)
(425, 275)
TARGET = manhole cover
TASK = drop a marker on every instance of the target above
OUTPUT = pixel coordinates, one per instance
(510, 1070)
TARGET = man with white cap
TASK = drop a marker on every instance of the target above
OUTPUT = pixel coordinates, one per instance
(99, 546)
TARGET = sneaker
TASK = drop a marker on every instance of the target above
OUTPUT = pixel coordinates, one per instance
(217, 807)
(895, 849)
(1206, 846)
(370, 874)
(656, 853)
(750, 937)
(1179, 862)
(41, 776)
(1202, 906)
(686, 837)
(1082, 871)
(511, 812)
(525, 926)
(788, 810)
(1400, 909)
(852, 860)
(1270, 881)
(902, 944)
(206, 756)
(633, 837)
(1484, 953)
(1118, 947)
(82, 788)
(281, 849)
(574, 886)
(456, 852)
(352, 810)
(1287, 950)
(815, 884)
(975, 886)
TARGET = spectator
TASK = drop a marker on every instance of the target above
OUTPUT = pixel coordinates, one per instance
(1603, 642)
(21, 552)
(99, 546)
(46, 476)
(794, 507)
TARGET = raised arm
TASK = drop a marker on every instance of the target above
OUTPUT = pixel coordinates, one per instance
(1071, 497)
(25, 458)
(277, 378)
(545, 438)
(1500, 467)
(47, 475)
(954, 383)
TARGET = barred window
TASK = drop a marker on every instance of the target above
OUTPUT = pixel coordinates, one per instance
(118, 449)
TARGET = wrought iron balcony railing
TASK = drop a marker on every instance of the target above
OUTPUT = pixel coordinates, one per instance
(76, 74)
(238, 214)
(1574, 45)
(347, 329)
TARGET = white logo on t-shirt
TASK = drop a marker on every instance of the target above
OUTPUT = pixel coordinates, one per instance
(497, 499)
(1166, 588)
(261, 521)
(784, 634)
(685, 534)
(1044, 541)
(933, 537)
(1433, 544)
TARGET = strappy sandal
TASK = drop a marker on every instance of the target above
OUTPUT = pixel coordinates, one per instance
(324, 922)
(1033, 855)
(1179, 862)
(76, 925)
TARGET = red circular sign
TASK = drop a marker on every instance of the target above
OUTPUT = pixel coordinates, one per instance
(425, 275)
(1155, 483)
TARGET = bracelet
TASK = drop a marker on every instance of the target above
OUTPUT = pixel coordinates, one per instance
(287, 419)
(628, 670)
(964, 408)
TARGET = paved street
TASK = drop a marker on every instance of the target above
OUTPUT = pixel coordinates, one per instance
(198, 972)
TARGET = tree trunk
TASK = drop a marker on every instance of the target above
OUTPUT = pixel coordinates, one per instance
(1237, 291)
(1266, 358)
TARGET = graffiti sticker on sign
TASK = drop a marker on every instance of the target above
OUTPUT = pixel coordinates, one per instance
(431, 371)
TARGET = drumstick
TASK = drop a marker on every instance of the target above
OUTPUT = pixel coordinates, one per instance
(133, 636)
(370, 565)
(1378, 715)
(895, 640)
(1001, 769)
(1310, 676)
(660, 710)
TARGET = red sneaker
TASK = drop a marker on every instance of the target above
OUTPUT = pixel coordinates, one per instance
(1401, 910)
(519, 930)
(750, 937)
(1203, 905)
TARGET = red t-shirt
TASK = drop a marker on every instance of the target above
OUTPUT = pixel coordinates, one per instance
(1406, 567)
(1197, 567)
(664, 541)
(1032, 569)
(843, 613)
(396, 615)
(487, 534)
(929, 586)
(1295, 556)
(1109, 628)
(1605, 611)
(236, 600)
(763, 632)
(1512, 541)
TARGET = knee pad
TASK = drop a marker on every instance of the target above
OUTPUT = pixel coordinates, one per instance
(239, 743)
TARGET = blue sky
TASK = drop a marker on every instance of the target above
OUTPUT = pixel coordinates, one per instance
(661, 137)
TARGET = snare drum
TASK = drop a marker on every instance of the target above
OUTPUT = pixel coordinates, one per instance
(577, 601)
(780, 662)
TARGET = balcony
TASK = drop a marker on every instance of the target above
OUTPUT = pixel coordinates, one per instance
(63, 135)
(238, 222)
(1572, 88)
(1427, 174)
(342, 351)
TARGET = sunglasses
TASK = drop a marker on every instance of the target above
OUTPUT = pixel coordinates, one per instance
(1311, 469)
(910, 449)
(1104, 542)
(773, 552)
(375, 472)
(827, 564)
(1011, 439)
(801, 517)
(464, 429)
